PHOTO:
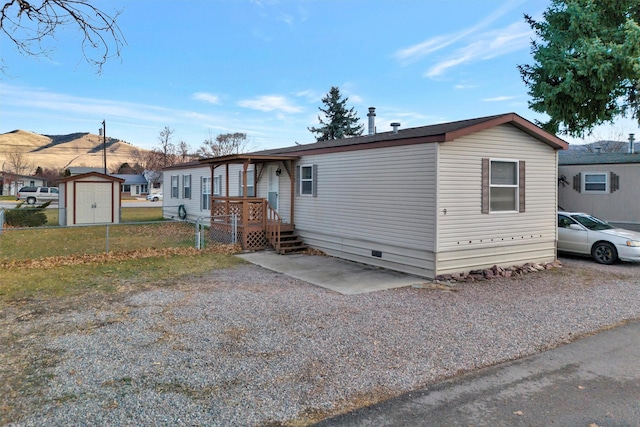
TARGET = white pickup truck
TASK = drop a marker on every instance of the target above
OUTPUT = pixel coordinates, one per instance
(34, 195)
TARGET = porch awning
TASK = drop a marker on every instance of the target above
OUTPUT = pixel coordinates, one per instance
(246, 158)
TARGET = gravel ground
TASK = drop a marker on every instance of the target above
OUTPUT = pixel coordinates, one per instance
(247, 346)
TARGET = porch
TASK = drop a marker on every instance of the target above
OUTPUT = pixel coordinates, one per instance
(258, 225)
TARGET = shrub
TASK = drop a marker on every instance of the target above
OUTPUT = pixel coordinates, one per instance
(26, 217)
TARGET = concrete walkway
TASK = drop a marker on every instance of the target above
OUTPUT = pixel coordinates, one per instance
(341, 276)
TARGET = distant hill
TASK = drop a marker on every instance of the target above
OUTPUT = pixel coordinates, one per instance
(63, 151)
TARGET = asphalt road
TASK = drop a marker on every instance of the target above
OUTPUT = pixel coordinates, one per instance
(592, 382)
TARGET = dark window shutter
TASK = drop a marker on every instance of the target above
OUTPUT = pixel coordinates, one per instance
(315, 180)
(614, 182)
(521, 184)
(297, 180)
(577, 183)
(485, 186)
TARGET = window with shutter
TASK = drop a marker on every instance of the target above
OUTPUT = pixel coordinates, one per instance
(595, 182)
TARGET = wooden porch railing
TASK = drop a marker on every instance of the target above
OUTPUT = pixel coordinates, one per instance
(259, 225)
(273, 224)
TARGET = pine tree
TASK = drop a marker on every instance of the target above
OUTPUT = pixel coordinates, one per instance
(586, 68)
(339, 121)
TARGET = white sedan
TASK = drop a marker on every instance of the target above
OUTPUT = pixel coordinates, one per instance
(579, 233)
(154, 197)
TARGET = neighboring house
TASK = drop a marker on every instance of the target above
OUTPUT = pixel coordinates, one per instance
(605, 185)
(429, 200)
(133, 185)
(10, 183)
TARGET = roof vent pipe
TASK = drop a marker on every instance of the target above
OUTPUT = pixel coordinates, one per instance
(372, 120)
(395, 127)
(598, 150)
(631, 139)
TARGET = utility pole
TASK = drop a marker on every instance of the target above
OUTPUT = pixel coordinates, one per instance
(103, 132)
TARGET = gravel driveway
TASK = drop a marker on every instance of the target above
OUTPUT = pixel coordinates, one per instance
(247, 346)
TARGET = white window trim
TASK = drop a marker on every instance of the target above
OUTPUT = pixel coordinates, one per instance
(217, 185)
(250, 183)
(584, 183)
(177, 186)
(301, 181)
(516, 185)
(186, 179)
(205, 194)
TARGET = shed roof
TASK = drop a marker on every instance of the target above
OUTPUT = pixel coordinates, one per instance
(92, 174)
(572, 157)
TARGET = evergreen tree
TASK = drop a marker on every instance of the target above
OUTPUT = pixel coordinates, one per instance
(339, 121)
(586, 67)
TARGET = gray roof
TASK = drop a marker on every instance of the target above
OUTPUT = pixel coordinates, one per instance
(570, 157)
(130, 179)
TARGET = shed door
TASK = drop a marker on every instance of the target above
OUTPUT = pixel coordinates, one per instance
(93, 203)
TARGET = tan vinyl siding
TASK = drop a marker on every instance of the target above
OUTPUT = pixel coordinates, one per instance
(621, 206)
(469, 239)
(373, 200)
(192, 206)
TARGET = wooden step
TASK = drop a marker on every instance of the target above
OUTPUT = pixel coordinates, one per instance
(291, 242)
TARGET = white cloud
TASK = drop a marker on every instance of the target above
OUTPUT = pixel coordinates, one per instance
(207, 97)
(499, 99)
(270, 103)
(486, 46)
(461, 86)
(420, 50)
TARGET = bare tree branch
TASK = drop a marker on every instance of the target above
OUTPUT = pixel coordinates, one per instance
(28, 23)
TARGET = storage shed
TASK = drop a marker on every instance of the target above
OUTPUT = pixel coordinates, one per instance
(90, 198)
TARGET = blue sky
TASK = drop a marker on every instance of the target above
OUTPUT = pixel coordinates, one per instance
(261, 67)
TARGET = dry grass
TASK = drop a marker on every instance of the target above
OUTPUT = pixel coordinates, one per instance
(77, 150)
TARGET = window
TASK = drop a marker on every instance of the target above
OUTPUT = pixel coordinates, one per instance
(186, 185)
(206, 194)
(307, 177)
(251, 190)
(217, 185)
(595, 182)
(126, 188)
(502, 185)
(174, 186)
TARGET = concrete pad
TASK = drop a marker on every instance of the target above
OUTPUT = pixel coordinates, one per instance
(345, 277)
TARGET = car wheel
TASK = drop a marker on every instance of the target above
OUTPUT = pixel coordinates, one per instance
(31, 200)
(155, 199)
(604, 253)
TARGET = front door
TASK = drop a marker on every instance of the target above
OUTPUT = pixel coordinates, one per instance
(273, 184)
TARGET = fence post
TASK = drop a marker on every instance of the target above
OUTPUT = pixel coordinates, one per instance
(1, 219)
(234, 229)
(198, 228)
(107, 238)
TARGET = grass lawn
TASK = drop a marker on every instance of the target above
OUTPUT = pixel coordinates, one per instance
(28, 284)
(128, 215)
(153, 252)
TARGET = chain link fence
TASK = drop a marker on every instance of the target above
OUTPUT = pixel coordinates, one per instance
(21, 243)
